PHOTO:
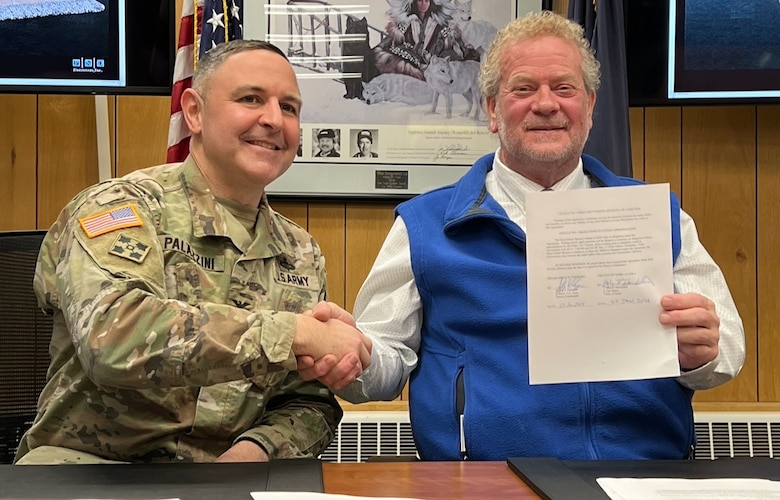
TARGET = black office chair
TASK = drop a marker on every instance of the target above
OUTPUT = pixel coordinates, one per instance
(24, 338)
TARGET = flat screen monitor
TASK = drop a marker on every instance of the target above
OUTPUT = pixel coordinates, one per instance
(87, 46)
(702, 52)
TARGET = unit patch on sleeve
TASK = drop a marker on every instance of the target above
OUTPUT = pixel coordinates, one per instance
(110, 220)
(129, 248)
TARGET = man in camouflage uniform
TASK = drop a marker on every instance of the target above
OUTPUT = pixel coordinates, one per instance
(181, 299)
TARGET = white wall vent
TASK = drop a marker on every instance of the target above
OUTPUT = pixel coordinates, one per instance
(737, 434)
(364, 434)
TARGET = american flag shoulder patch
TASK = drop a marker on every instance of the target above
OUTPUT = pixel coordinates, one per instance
(110, 220)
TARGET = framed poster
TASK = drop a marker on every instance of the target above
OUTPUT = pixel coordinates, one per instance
(392, 106)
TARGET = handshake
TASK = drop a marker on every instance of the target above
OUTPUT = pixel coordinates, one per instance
(329, 347)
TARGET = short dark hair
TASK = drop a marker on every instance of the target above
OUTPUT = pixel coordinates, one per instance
(217, 55)
(326, 133)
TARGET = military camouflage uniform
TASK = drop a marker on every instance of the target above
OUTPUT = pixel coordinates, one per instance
(172, 336)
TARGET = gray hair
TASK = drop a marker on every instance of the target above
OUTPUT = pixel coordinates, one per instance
(537, 24)
(215, 56)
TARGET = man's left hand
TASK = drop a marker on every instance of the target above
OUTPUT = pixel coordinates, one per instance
(244, 451)
(697, 327)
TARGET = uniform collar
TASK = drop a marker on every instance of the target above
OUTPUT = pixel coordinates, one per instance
(210, 218)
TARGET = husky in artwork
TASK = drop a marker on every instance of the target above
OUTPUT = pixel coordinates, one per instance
(396, 87)
(360, 55)
(454, 77)
(474, 33)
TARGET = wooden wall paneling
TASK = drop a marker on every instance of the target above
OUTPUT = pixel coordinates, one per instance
(367, 227)
(328, 225)
(142, 131)
(178, 17)
(663, 152)
(719, 192)
(67, 151)
(18, 161)
(768, 245)
(561, 7)
(636, 119)
(142, 126)
(297, 211)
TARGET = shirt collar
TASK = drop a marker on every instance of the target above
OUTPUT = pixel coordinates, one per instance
(509, 188)
(515, 185)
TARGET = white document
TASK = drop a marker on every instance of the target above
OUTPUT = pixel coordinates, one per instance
(625, 488)
(599, 261)
(287, 495)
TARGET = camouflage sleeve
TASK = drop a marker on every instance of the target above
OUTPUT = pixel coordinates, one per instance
(126, 331)
(300, 421)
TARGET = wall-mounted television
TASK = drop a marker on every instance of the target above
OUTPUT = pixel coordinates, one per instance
(682, 52)
(87, 46)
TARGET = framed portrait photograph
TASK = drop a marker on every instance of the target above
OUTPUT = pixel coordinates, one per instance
(391, 99)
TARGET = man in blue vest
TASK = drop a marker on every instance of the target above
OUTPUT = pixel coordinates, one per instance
(446, 307)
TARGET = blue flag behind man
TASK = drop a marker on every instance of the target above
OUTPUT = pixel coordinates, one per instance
(610, 138)
(221, 23)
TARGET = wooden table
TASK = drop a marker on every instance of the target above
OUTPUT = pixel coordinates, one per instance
(426, 480)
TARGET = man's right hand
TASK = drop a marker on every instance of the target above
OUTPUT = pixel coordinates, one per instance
(324, 311)
(336, 368)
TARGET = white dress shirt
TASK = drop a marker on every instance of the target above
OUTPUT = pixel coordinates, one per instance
(388, 308)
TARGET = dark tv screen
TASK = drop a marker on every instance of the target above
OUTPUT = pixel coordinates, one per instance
(702, 52)
(87, 46)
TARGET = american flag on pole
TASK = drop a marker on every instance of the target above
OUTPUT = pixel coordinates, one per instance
(204, 24)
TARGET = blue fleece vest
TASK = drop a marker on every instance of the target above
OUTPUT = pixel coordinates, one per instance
(469, 264)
